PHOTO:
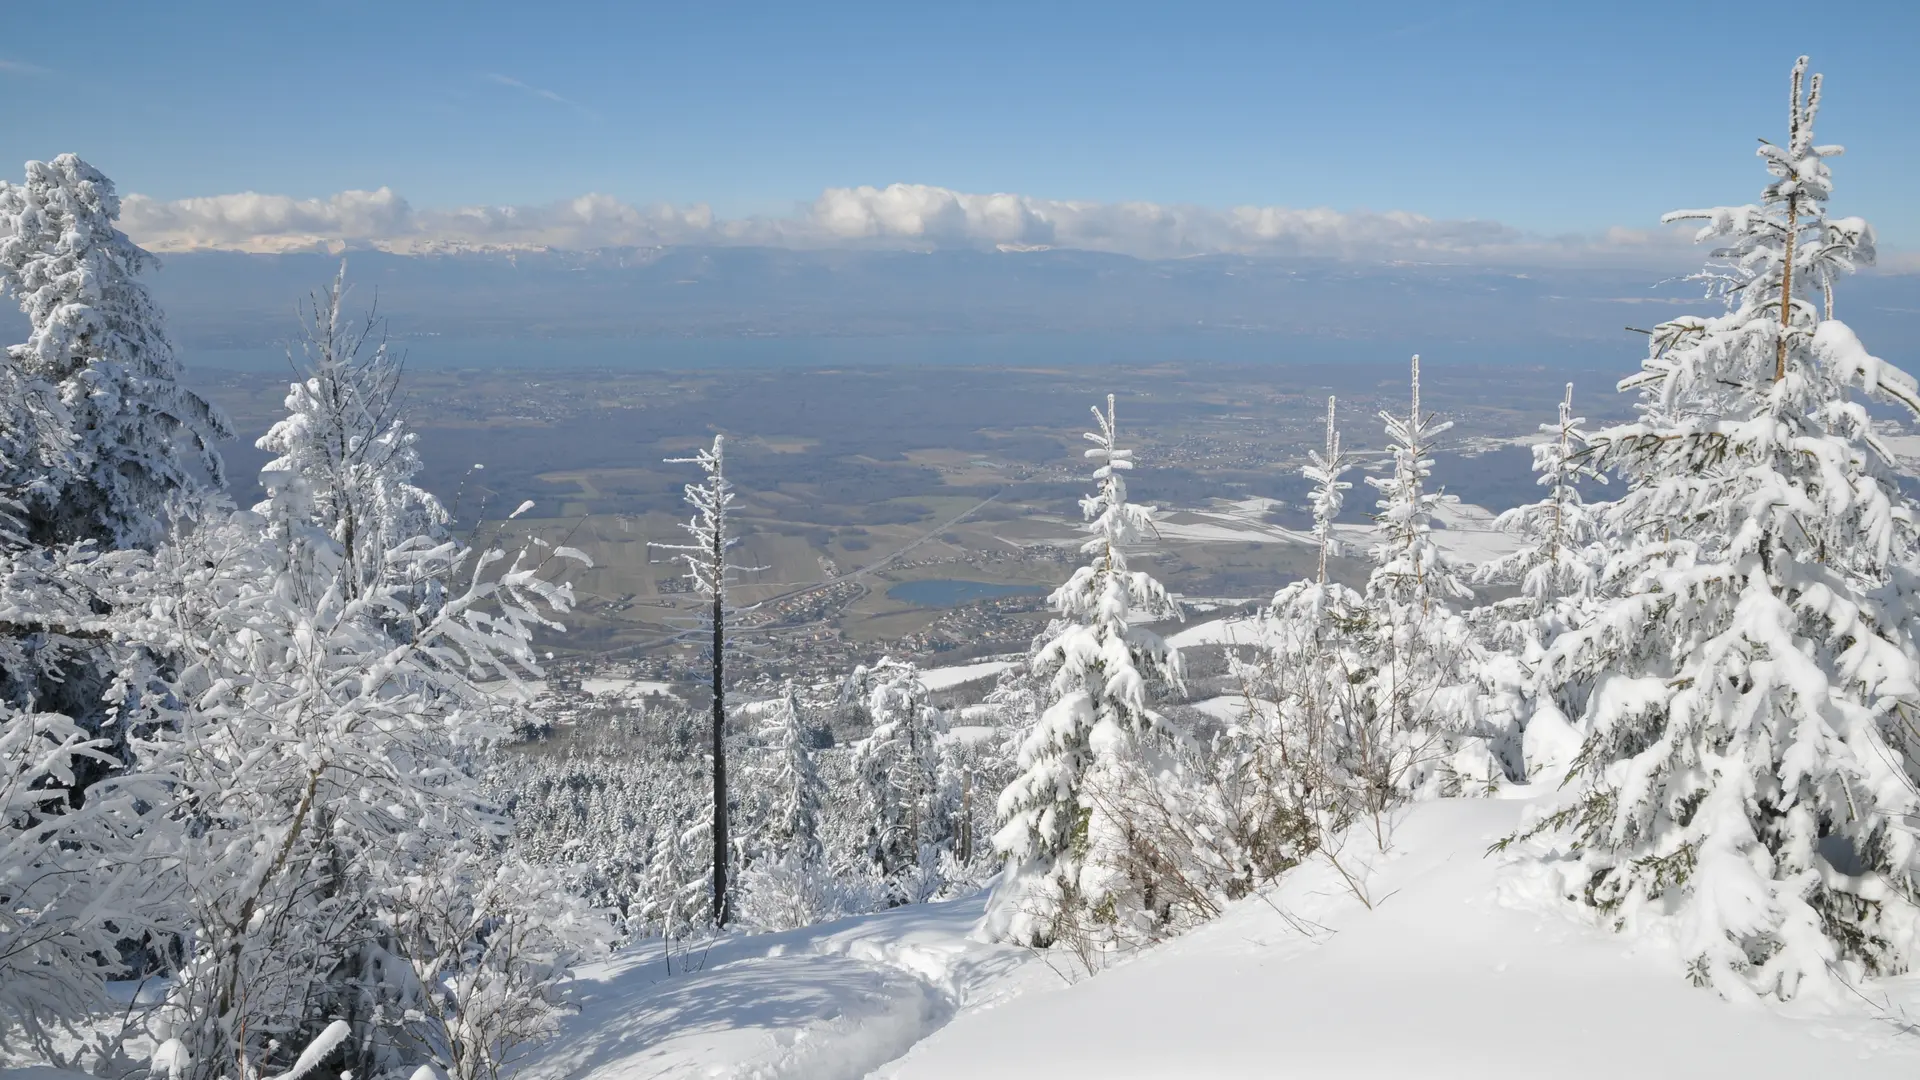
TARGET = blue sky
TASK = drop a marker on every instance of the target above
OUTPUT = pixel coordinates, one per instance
(1548, 117)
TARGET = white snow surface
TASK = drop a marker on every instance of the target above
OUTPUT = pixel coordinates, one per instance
(1462, 968)
(1248, 630)
(1466, 531)
(945, 678)
(1465, 966)
(826, 1002)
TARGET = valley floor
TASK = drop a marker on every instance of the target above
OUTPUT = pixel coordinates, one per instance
(1463, 965)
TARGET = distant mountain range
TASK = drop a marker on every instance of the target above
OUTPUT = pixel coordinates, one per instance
(232, 300)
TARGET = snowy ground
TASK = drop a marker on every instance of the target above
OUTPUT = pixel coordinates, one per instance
(1461, 967)
(1463, 530)
(827, 1002)
(946, 678)
(1229, 631)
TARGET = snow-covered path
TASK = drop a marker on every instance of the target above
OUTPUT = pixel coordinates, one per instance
(1464, 966)
(823, 1003)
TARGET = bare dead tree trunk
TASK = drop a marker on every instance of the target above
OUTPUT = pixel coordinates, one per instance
(720, 904)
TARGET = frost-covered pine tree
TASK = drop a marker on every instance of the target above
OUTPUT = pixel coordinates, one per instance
(344, 435)
(99, 442)
(1062, 870)
(1556, 568)
(897, 765)
(790, 821)
(1306, 747)
(789, 885)
(1746, 780)
(1309, 606)
(1417, 735)
(98, 358)
(1557, 559)
(679, 882)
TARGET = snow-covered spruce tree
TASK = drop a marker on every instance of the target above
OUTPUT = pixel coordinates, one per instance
(1746, 781)
(1557, 561)
(340, 500)
(711, 572)
(788, 885)
(678, 887)
(1307, 613)
(98, 351)
(898, 766)
(345, 436)
(1416, 734)
(317, 759)
(1061, 865)
(1556, 568)
(790, 822)
(978, 757)
(1303, 745)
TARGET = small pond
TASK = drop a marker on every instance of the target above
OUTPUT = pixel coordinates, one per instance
(947, 592)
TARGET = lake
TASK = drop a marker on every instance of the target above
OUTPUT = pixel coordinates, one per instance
(947, 592)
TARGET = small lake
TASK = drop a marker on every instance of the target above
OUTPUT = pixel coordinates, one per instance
(946, 592)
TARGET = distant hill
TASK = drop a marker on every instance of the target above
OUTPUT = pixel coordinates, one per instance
(223, 299)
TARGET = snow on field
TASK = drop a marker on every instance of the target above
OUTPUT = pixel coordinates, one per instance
(1469, 535)
(1466, 531)
(946, 678)
(1464, 966)
(1233, 708)
(537, 688)
(823, 1003)
(1904, 448)
(629, 687)
(1231, 631)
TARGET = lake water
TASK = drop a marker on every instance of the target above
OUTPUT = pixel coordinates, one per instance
(947, 592)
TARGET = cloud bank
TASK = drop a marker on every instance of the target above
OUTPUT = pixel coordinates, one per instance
(902, 216)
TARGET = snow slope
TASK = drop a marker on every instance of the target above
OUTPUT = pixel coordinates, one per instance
(1462, 968)
(827, 1002)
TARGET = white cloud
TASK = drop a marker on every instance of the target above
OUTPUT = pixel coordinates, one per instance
(916, 216)
(250, 221)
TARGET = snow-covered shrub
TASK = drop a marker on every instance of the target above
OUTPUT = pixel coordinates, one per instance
(75, 880)
(489, 944)
(787, 892)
